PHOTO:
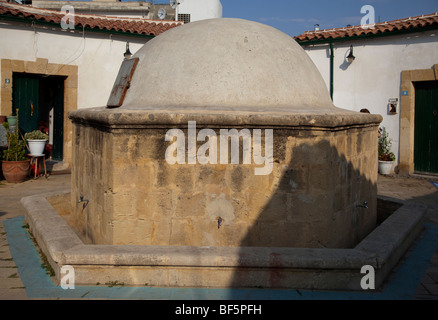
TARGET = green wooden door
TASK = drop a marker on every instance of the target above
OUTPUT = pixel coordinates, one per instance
(58, 120)
(426, 127)
(25, 98)
(34, 96)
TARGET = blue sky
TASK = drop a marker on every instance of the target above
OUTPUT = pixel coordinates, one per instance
(295, 16)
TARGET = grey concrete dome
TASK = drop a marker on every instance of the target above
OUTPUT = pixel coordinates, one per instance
(223, 64)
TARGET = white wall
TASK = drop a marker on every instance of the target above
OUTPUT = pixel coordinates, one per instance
(98, 55)
(201, 9)
(375, 76)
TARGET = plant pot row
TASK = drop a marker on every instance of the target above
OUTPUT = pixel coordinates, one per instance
(15, 163)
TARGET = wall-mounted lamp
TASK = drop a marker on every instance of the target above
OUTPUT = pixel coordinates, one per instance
(127, 53)
(351, 57)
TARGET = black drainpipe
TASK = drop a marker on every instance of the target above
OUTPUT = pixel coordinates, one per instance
(332, 56)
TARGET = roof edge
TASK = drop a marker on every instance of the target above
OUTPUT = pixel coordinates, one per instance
(95, 23)
(78, 27)
(389, 28)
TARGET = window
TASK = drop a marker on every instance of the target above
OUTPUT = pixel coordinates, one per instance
(185, 17)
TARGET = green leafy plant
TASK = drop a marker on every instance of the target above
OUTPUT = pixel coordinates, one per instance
(16, 146)
(36, 135)
(385, 144)
(115, 284)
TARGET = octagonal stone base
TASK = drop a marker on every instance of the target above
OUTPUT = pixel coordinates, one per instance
(324, 168)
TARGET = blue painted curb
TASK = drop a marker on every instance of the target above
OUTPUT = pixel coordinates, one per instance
(402, 285)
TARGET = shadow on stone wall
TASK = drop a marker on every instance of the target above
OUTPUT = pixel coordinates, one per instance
(320, 199)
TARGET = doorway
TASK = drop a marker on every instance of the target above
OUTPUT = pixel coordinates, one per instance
(426, 127)
(40, 101)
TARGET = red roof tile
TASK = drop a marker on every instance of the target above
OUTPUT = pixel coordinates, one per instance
(129, 25)
(408, 24)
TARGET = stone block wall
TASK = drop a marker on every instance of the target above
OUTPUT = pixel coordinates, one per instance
(310, 199)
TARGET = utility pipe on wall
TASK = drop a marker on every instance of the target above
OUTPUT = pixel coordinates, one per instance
(332, 56)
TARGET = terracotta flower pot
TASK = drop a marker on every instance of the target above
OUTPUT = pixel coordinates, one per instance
(15, 171)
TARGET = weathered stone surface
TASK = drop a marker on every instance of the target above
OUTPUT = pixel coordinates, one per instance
(135, 197)
(207, 266)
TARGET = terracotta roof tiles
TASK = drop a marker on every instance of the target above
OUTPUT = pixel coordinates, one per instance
(408, 24)
(129, 25)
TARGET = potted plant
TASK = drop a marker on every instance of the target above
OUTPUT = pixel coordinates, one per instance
(12, 120)
(15, 164)
(386, 156)
(36, 141)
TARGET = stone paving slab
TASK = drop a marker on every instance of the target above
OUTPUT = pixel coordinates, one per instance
(9, 282)
(422, 291)
(5, 254)
(421, 190)
(13, 294)
(431, 288)
(7, 263)
(8, 273)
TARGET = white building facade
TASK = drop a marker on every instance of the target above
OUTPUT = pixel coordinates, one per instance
(182, 10)
(47, 71)
(200, 9)
(391, 60)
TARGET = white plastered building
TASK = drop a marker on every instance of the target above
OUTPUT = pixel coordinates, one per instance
(396, 62)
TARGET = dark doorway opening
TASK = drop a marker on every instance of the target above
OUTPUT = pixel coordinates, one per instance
(426, 127)
(40, 101)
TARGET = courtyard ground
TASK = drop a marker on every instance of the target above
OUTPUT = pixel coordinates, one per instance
(18, 281)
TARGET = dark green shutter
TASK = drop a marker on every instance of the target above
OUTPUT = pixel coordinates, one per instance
(25, 98)
(58, 127)
(426, 127)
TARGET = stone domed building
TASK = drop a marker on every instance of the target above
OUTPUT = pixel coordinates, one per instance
(186, 95)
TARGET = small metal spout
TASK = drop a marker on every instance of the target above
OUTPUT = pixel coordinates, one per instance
(219, 222)
(81, 199)
(364, 205)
